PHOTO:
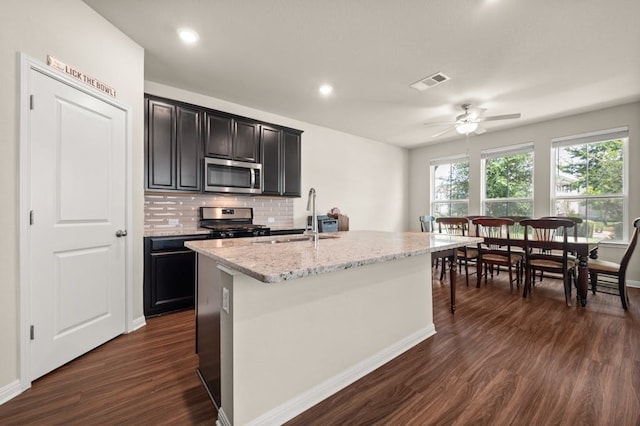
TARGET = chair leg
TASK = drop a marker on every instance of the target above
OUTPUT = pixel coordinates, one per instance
(622, 287)
(567, 288)
(593, 277)
(510, 279)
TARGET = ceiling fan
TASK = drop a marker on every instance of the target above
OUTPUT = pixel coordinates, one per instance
(468, 121)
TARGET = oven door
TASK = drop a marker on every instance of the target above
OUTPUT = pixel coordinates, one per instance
(232, 176)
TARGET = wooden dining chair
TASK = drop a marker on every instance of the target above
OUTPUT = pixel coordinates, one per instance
(571, 255)
(495, 250)
(545, 243)
(457, 226)
(599, 267)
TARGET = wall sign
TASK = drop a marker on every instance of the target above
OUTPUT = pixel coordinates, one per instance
(75, 73)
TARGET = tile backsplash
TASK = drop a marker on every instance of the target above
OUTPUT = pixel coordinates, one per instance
(166, 211)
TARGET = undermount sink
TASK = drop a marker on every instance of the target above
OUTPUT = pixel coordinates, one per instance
(296, 239)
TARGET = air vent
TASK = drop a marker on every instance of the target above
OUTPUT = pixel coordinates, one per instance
(427, 82)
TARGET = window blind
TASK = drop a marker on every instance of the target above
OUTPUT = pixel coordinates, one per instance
(449, 160)
(600, 136)
(508, 150)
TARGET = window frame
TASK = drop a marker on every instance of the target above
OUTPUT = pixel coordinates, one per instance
(506, 151)
(618, 133)
(456, 159)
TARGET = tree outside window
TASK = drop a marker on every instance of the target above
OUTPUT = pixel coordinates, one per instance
(450, 188)
(590, 183)
(508, 182)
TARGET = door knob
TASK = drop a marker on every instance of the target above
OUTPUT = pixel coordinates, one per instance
(120, 233)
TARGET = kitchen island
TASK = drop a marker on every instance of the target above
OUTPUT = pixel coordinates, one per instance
(299, 319)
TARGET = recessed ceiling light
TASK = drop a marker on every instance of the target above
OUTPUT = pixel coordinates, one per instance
(325, 90)
(188, 36)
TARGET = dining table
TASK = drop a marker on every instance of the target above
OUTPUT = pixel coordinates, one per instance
(583, 247)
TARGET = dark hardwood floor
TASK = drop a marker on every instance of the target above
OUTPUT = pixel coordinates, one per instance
(145, 377)
(500, 359)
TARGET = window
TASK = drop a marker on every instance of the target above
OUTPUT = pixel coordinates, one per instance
(590, 182)
(508, 181)
(450, 187)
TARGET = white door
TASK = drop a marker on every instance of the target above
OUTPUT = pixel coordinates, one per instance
(77, 198)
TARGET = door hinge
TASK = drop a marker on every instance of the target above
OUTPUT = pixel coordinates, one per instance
(31, 217)
(30, 101)
(32, 332)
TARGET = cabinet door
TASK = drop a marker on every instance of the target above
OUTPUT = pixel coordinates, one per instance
(218, 136)
(291, 163)
(160, 145)
(172, 284)
(246, 141)
(189, 149)
(271, 160)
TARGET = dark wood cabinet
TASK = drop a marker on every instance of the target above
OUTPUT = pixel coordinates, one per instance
(291, 163)
(160, 145)
(169, 274)
(178, 135)
(233, 138)
(281, 159)
(218, 130)
(173, 145)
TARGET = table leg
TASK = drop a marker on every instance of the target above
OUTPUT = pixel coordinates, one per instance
(453, 279)
(583, 279)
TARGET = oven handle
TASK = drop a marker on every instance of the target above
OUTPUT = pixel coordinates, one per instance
(253, 178)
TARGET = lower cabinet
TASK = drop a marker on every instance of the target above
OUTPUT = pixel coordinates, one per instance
(169, 274)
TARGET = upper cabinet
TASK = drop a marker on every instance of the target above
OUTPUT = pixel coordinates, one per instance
(172, 146)
(281, 158)
(231, 137)
(178, 135)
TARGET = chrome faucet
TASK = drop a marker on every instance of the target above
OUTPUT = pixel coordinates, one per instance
(311, 206)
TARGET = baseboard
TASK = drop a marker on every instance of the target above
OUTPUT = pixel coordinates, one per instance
(10, 391)
(308, 399)
(222, 419)
(137, 323)
(634, 284)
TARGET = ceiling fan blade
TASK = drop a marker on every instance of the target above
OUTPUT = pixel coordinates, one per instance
(435, 135)
(501, 117)
(480, 130)
(438, 123)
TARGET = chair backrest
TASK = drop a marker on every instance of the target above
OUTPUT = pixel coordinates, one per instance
(472, 229)
(576, 221)
(452, 225)
(547, 229)
(547, 234)
(426, 223)
(517, 230)
(630, 248)
(495, 232)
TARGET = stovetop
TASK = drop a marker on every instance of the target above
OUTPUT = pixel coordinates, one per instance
(231, 222)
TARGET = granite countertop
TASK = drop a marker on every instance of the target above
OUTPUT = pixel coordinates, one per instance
(266, 260)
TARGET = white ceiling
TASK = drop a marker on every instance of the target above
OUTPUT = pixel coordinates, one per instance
(542, 58)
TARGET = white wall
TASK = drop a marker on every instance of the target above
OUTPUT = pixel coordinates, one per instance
(366, 179)
(73, 33)
(540, 134)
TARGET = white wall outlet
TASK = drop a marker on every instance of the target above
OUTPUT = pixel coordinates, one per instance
(173, 222)
(271, 219)
(225, 299)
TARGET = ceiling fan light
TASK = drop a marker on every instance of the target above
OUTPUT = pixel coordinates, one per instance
(466, 128)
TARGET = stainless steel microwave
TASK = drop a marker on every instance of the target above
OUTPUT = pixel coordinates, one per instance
(232, 176)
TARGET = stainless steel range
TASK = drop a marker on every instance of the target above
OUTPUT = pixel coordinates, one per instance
(231, 222)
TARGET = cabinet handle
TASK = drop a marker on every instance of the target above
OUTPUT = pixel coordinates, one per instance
(121, 233)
